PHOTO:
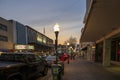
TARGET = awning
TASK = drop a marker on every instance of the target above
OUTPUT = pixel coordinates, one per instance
(103, 18)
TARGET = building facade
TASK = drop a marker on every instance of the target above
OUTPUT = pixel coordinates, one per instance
(19, 32)
(15, 36)
(102, 27)
(88, 50)
(45, 44)
(6, 35)
(40, 42)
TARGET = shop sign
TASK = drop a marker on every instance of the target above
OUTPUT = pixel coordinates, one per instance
(24, 47)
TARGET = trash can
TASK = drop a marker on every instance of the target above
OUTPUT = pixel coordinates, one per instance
(56, 71)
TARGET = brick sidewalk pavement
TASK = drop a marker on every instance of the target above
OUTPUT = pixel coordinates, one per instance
(80, 69)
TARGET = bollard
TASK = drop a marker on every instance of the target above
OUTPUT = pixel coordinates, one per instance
(56, 71)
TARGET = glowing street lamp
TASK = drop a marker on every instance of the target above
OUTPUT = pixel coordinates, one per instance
(67, 47)
(56, 30)
(68, 44)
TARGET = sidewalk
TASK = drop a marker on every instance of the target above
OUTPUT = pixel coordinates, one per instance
(114, 69)
(81, 69)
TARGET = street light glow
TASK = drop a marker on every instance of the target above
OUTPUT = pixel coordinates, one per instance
(68, 44)
(56, 28)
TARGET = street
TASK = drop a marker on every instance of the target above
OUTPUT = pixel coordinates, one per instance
(45, 33)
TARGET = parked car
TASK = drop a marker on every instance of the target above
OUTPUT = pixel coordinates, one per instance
(21, 66)
(50, 60)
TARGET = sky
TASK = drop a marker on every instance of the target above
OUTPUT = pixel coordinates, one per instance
(44, 14)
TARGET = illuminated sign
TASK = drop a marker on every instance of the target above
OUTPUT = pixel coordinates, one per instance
(93, 47)
(30, 47)
(24, 47)
(39, 38)
(44, 40)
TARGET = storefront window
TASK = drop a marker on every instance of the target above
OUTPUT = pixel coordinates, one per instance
(115, 50)
(44, 40)
(3, 27)
(39, 38)
(3, 38)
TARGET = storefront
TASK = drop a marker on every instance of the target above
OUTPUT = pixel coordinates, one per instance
(102, 26)
(99, 52)
(115, 49)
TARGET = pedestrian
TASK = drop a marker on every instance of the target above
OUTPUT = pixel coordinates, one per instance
(71, 56)
(62, 58)
(67, 57)
(74, 56)
(68, 61)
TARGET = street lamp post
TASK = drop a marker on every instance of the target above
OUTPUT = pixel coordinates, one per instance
(56, 30)
(68, 47)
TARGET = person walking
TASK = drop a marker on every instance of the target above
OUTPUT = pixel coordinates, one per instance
(62, 57)
(67, 57)
(74, 56)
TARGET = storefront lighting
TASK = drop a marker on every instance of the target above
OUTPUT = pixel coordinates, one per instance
(93, 47)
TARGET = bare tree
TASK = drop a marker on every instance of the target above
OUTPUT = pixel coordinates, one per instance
(72, 41)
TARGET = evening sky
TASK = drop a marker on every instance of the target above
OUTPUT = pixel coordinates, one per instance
(40, 14)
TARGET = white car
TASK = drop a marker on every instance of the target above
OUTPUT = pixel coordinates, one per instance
(50, 60)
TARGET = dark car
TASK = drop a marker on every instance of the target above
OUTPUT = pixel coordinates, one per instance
(21, 66)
